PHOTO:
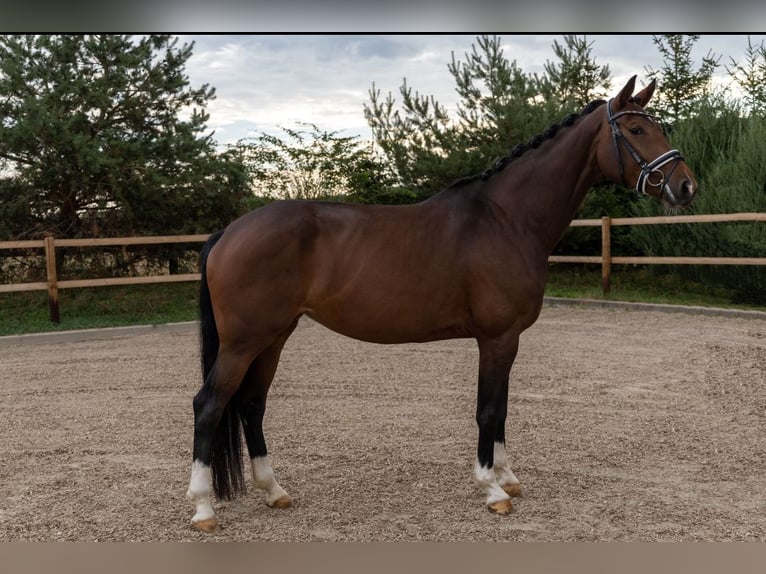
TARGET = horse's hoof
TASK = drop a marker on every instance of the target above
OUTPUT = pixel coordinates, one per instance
(512, 489)
(283, 502)
(209, 525)
(501, 507)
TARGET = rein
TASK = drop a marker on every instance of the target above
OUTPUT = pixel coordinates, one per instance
(648, 169)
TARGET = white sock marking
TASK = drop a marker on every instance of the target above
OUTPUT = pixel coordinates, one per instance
(487, 480)
(264, 479)
(502, 467)
(199, 491)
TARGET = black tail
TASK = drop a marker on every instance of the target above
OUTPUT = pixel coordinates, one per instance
(226, 462)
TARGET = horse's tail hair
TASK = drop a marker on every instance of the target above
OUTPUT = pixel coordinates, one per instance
(208, 330)
(226, 462)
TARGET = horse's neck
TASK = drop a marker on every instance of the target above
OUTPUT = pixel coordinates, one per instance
(542, 190)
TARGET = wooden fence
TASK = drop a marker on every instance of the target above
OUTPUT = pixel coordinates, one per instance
(52, 284)
(607, 260)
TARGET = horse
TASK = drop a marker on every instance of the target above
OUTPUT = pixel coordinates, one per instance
(469, 262)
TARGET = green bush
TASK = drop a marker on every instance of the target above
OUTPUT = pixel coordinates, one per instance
(727, 154)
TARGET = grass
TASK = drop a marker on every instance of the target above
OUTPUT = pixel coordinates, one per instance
(99, 307)
(639, 284)
(156, 304)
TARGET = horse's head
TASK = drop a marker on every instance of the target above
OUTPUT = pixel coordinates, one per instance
(633, 150)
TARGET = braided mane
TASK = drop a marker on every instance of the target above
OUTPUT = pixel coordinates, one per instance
(533, 143)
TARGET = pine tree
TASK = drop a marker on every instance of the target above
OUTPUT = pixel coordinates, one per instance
(497, 108)
(427, 149)
(681, 86)
(751, 77)
(576, 79)
(102, 135)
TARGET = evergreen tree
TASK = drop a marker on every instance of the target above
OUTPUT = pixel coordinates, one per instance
(416, 143)
(751, 77)
(102, 135)
(681, 86)
(427, 149)
(576, 79)
(500, 106)
(497, 107)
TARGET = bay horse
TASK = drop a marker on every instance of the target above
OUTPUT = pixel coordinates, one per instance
(469, 262)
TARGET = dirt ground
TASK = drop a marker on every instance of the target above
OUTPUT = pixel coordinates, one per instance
(623, 425)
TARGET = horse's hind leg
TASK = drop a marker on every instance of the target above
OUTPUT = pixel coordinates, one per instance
(252, 407)
(209, 405)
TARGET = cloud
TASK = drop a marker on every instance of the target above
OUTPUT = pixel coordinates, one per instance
(280, 80)
(264, 81)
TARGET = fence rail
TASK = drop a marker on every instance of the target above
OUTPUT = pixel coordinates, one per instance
(52, 284)
(607, 260)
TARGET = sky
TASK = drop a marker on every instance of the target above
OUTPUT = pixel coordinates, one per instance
(269, 81)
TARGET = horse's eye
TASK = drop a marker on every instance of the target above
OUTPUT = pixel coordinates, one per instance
(636, 131)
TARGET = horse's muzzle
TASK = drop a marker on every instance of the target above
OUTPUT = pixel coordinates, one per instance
(681, 197)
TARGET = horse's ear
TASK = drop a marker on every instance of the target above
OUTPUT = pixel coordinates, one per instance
(642, 98)
(624, 96)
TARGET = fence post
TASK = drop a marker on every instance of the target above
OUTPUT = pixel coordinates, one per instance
(606, 255)
(50, 266)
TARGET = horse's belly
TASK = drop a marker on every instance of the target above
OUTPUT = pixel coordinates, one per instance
(389, 323)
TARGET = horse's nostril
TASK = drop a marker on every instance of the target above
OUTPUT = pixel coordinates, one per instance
(686, 192)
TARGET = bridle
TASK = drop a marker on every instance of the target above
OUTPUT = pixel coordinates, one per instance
(648, 170)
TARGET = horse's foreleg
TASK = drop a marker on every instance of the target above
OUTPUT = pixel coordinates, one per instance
(505, 476)
(503, 473)
(495, 360)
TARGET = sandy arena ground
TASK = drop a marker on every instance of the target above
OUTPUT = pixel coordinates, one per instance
(623, 425)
